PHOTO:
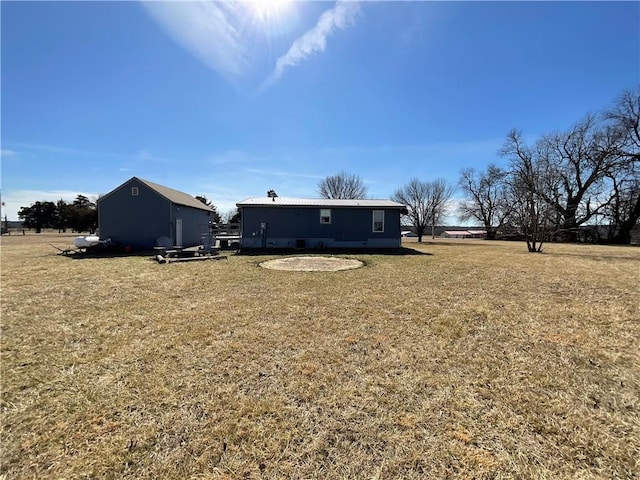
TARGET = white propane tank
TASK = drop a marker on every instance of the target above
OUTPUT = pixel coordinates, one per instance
(84, 242)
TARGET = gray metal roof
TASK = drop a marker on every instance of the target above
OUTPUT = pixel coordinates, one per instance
(317, 202)
(175, 196)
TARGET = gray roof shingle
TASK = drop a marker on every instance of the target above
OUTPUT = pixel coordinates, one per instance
(175, 196)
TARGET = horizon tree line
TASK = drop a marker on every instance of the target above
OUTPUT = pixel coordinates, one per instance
(80, 216)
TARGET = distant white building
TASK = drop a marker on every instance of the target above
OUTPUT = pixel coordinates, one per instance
(464, 234)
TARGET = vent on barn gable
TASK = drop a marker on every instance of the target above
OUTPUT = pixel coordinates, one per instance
(134, 191)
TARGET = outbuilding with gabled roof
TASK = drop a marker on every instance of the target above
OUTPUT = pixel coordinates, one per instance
(284, 222)
(143, 214)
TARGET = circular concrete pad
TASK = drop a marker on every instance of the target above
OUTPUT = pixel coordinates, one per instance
(312, 264)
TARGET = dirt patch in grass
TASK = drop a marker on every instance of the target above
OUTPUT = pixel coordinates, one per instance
(312, 264)
(478, 360)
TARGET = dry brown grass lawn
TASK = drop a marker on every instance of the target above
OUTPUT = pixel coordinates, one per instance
(478, 360)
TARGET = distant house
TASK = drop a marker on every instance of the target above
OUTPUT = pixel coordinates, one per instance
(478, 233)
(143, 214)
(456, 234)
(464, 234)
(279, 222)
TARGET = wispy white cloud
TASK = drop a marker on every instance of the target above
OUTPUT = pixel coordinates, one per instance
(218, 33)
(65, 150)
(144, 155)
(8, 153)
(211, 31)
(469, 148)
(409, 34)
(68, 150)
(282, 174)
(237, 157)
(341, 16)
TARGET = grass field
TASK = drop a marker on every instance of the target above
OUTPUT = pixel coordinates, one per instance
(466, 359)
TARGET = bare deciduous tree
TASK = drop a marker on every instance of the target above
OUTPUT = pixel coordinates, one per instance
(581, 177)
(625, 116)
(343, 185)
(571, 169)
(232, 216)
(426, 202)
(577, 163)
(531, 215)
(623, 211)
(486, 198)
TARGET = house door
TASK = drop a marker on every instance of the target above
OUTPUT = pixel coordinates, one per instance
(263, 233)
(179, 232)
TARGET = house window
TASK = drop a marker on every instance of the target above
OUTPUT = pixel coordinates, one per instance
(378, 220)
(325, 215)
(134, 191)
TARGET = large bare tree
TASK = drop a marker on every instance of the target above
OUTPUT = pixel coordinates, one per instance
(625, 116)
(623, 211)
(571, 171)
(426, 203)
(579, 161)
(343, 185)
(486, 198)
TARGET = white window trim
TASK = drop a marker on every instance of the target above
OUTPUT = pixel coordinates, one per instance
(134, 191)
(373, 221)
(322, 216)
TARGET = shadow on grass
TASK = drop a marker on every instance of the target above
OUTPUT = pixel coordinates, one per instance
(471, 242)
(87, 255)
(119, 253)
(331, 251)
(598, 258)
(402, 251)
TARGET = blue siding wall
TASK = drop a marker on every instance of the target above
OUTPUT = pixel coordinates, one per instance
(131, 220)
(195, 224)
(138, 221)
(287, 225)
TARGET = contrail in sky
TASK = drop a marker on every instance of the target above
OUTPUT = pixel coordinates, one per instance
(341, 16)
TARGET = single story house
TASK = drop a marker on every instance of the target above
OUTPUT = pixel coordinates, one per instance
(280, 222)
(142, 214)
(464, 234)
(478, 233)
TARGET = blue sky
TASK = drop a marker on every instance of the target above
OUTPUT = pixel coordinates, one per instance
(230, 100)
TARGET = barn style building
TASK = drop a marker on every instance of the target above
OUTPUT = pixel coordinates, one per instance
(142, 214)
(280, 222)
